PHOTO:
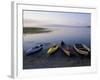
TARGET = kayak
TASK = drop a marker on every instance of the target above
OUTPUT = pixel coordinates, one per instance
(53, 49)
(65, 48)
(81, 49)
(33, 50)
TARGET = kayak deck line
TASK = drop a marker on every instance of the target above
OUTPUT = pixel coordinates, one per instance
(34, 50)
(52, 50)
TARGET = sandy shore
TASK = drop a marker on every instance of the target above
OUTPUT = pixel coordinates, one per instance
(58, 59)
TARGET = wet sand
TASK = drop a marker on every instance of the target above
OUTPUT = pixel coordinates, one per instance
(58, 59)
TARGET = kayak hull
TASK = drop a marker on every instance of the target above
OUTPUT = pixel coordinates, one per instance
(65, 48)
(84, 50)
(33, 50)
(52, 50)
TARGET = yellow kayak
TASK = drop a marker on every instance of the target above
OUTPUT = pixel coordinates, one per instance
(53, 49)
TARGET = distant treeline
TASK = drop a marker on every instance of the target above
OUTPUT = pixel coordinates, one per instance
(35, 30)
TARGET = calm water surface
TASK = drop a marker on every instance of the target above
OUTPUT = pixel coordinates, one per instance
(59, 59)
(68, 35)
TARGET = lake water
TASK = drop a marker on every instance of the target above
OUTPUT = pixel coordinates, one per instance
(68, 35)
(59, 59)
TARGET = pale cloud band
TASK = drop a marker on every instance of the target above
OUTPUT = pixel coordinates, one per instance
(44, 18)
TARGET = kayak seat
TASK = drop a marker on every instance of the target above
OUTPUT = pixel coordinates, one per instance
(36, 47)
(83, 49)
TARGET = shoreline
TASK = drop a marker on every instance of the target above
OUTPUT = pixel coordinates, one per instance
(41, 60)
(33, 30)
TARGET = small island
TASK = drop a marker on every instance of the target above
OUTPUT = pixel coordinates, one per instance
(33, 30)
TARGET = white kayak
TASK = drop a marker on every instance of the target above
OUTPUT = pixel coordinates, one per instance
(33, 50)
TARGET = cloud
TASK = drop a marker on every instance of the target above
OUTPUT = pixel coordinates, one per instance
(41, 18)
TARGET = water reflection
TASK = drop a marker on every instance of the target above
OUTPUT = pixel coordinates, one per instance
(57, 34)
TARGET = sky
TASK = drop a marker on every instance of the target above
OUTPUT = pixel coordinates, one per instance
(44, 18)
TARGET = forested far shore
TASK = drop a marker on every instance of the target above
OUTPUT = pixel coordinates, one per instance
(35, 30)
